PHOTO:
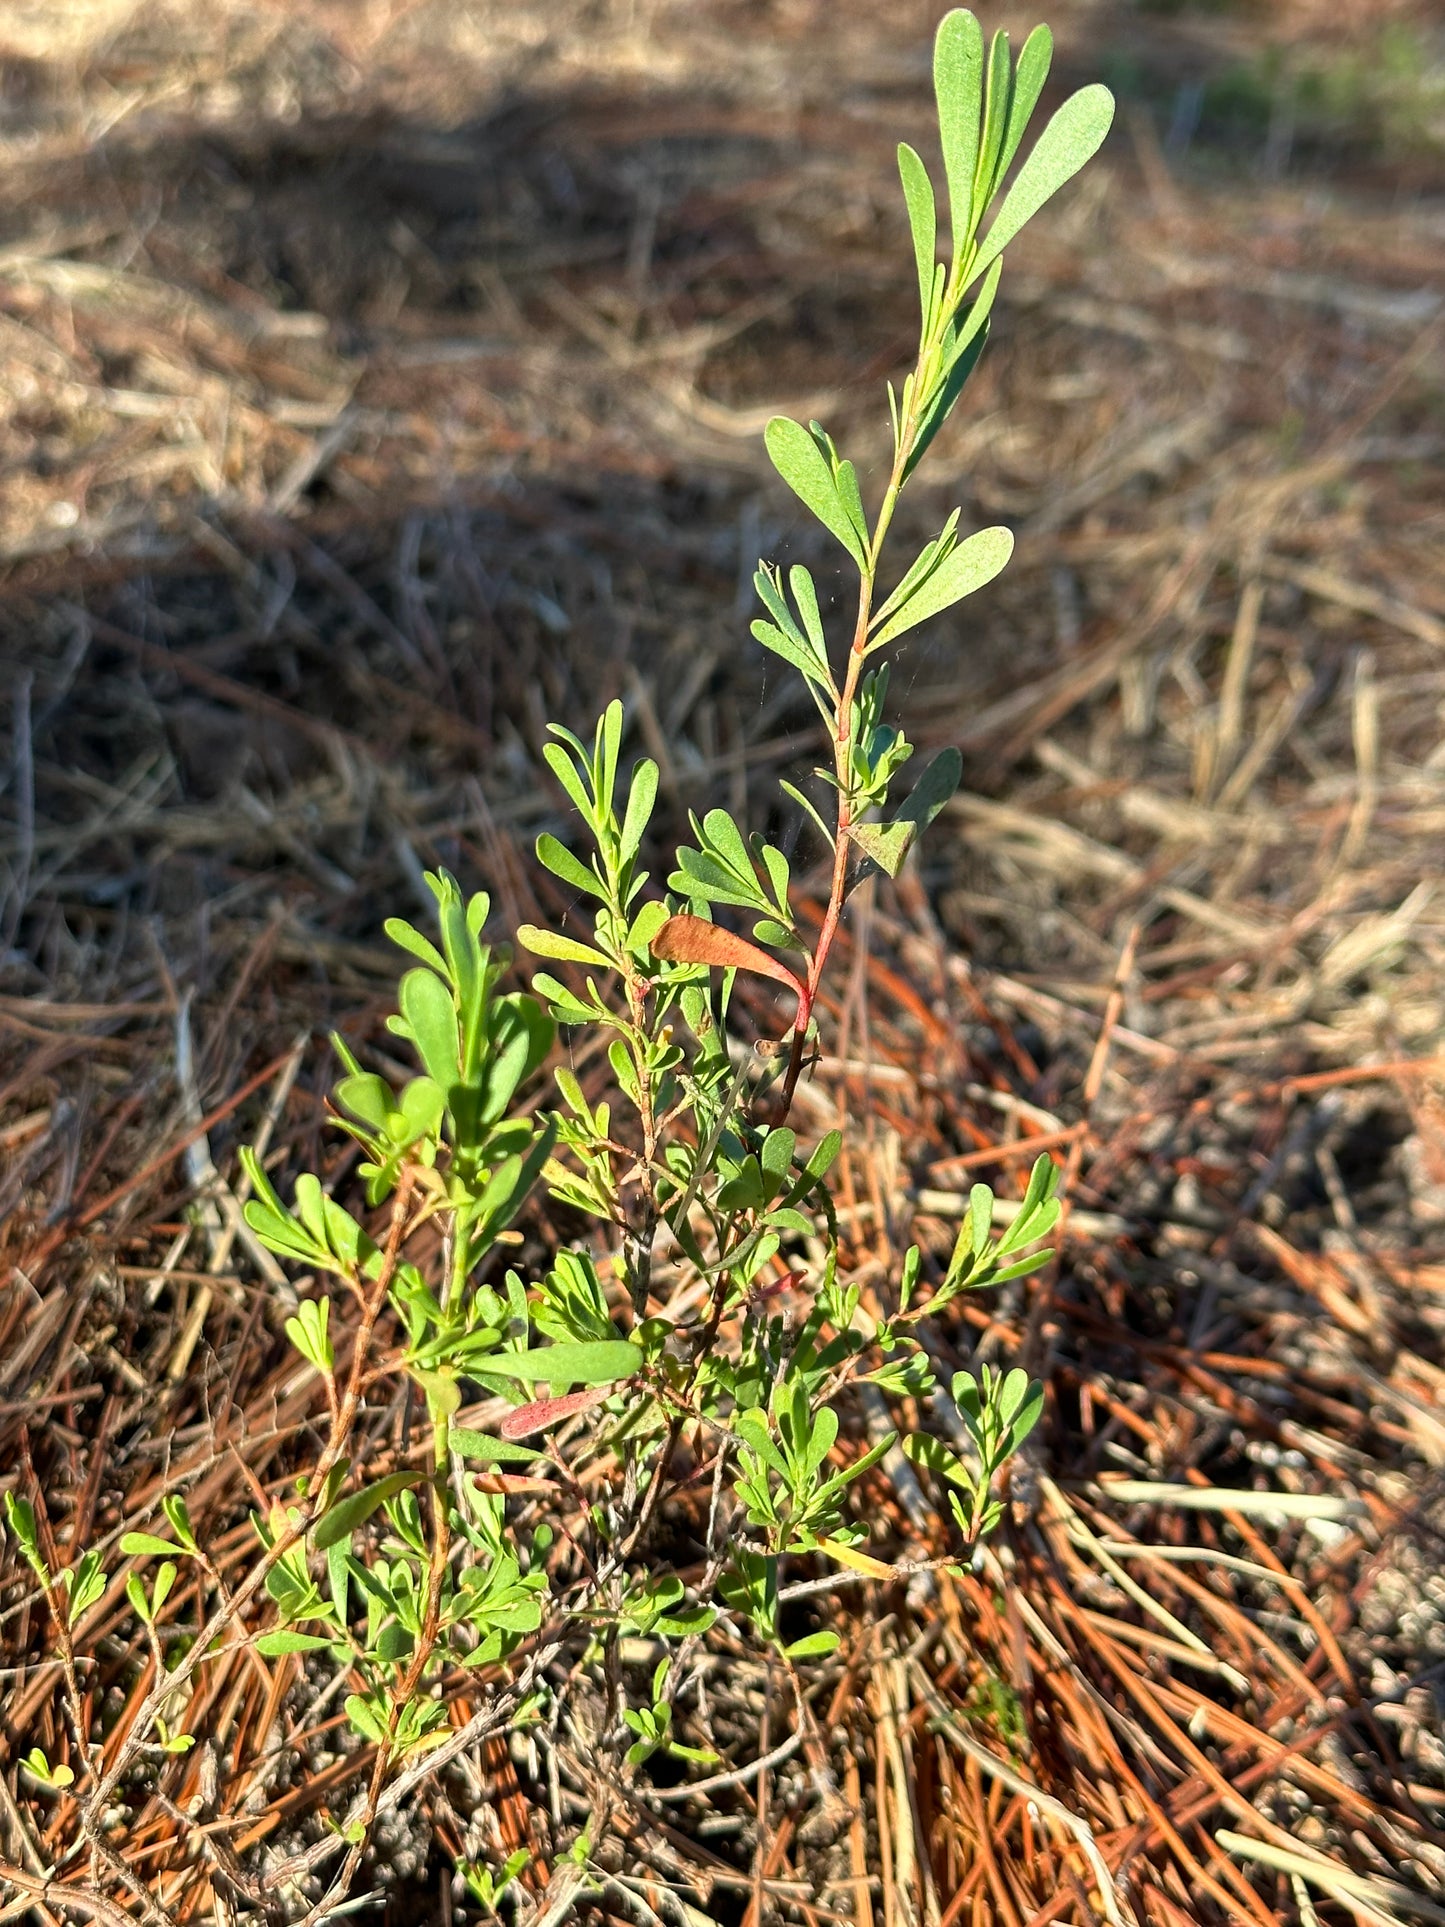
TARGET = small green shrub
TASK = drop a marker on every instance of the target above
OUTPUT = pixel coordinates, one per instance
(652, 1354)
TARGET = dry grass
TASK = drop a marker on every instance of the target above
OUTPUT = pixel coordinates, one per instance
(383, 379)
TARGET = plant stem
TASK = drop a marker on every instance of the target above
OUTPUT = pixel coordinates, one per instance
(843, 730)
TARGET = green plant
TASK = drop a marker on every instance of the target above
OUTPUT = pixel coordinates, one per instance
(493, 1553)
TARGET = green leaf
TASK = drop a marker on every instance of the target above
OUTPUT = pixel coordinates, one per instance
(276, 1644)
(961, 365)
(825, 1154)
(726, 839)
(565, 771)
(777, 1156)
(845, 477)
(922, 221)
(995, 119)
(922, 565)
(522, 1035)
(974, 320)
(165, 1579)
(811, 808)
(566, 1008)
(1072, 137)
(769, 930)
(431, 1017)
(779, 876)
(967, 568)
(601, 1362)
(557, 858)
(804, 467)
(958, 87)
(367, 1097)
(781, 644)
(887, 844)
(366, 1719)
(823, 1438)
(640, 800)
(548, 943)
(1030, 74)
(813, 1646)
(701, 875)
(1025, 1419)
(415, 943)
(768, 581)
(645, 926)
(806, 597)
(145, 1545)
(925, 1450)
(422, 1104)
(487, 1450)
(343, 1519)
(1012, 1393)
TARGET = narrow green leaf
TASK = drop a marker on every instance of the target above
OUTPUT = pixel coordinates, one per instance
(311, 1199)
(1012, 1393)
(945, 396)
(145, 1545)
(812, 809)
(975, 318)
(486, 1450)
(979, 1222)
(769, 930)
(556, 857)
(772, 637)
(565, 771)
(768, 581)
(921, 566)
(846, 478)
(922, 221)
(804, 467)
(549, 943)
(701, 875)
(779, 874)
(806, 597)
(972, 564)
(566, 1008)
(958, 86)
(1072, 137)
(824, 1437)
(601, 1362)
(522, 1035)
(366, 1719)
(1032, 71)
(1028, 1416)
(925, 1450)
(413, 941)
(165, 1580)
(811, 1646)
(998, 86)
(422, 1104)
(640, 800)
(276, 1644)
(343, 1519)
